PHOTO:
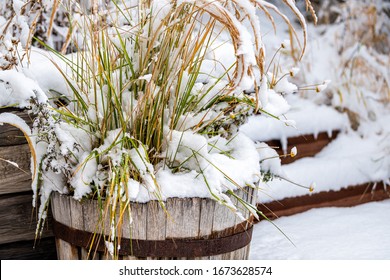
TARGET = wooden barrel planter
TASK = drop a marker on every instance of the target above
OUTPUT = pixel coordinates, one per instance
(195, 228)
(346, 197)
(307, 145)
(17, 216)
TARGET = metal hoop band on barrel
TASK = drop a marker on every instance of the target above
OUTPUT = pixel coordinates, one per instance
(175, 247)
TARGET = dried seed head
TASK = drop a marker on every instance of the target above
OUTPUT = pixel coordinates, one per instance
(312, 187)
(294, 71)
(322, 86)
(293, 152)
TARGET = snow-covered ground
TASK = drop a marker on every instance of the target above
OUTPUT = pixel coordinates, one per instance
(360, 232)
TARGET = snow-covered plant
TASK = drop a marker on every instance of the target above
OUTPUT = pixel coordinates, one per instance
(53, 24)
(51, 21)
(17, 24)
(354, 50)
(151, 113)
(364, 48)
(58, 25)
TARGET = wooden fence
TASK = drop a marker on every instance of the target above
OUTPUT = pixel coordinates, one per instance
(17, 216)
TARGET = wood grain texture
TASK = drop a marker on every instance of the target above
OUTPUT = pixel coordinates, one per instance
(62, 208)
(15, 179)
(156, 221)
(10, 135)
(206, 217)
(17, 230)
(18, 219)
(183, 221)
(43, 249)
(139, 220)
(66, 251)
(14, 148)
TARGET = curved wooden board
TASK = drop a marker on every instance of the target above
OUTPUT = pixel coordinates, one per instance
(346, 197)
(10, 135)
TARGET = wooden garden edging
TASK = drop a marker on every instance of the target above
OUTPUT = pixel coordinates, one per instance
(346, 197)
(195, 228)
(307, 145)
(17, 217)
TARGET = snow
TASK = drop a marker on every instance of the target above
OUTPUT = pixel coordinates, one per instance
(276, 104)
(219, 60)
(355, 157)
(293, 151)
(17, 5)
(42, 65)
(269, 159)
(10, 162)
(351, 159)
(355, 233)
(346, 52)
(14, 120)
(294, 71)
(84, 175)
(147, 77)
(16, 89)
(323, 86)
(309, 118)
(214, 173)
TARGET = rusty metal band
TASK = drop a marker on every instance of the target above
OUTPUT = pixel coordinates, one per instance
(169, 248)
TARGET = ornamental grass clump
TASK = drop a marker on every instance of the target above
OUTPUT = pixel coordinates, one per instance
(150, 113)
(356, 49)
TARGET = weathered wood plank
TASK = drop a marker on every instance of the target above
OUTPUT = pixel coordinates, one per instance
(180, 225)
(44, 249)
(92, 216)
(138, 225)
(223, 218)
(129, 258)
(66, 251)
(184, 218)
(62, 211)
(249, 195)
(86, 255)
(156, 221)
(12, 178)
(77, 221)
(10, 135)
(244, 195)
(92, 222)
(206, 214)
(76, 214)
(206, 217)
(18, 219)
